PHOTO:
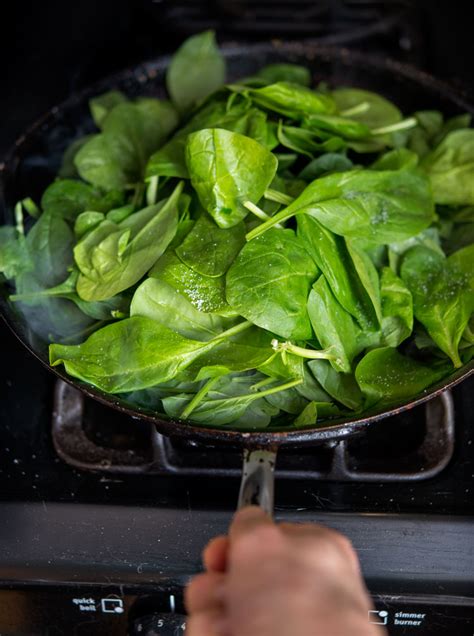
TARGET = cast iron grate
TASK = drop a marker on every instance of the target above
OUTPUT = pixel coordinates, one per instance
(414, 445)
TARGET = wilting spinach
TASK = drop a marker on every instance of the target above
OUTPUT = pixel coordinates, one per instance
(351, 292)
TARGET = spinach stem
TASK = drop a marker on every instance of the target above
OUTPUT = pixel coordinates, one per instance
(279, 387)
(273, 221)
(20, 228)
(257, 211)
(189, 408)
(260, 394)
(410, 122)
(31, 207)
(152, 190)
(278, 197)
(137, 199)
(358, 109)
(264, 382)
(232, 331)
(302, 351)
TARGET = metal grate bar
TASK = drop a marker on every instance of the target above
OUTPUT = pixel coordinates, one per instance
(159, 455)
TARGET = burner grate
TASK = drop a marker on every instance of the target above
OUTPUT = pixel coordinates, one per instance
(412, 446)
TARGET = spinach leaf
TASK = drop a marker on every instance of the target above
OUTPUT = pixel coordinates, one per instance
(333, 326)
(397, 159)
(292, 100)
(397, 309)
(231, 357)
(52, 319)
(289, 401)
(218, 408)
(15, 258)
(442, 292)
(101, 105)
(337, 125)
(310, 388)
(307, 142)
(49, 242)
(313, 411)
(67, 198)
(240, 118)
(100, 310)
(114, 257)
(353, 282)
(379, 206)
(209, 249)
(205, 293)
(196, 70)
(117, 157)
(340, 386)
(450, 167)
(293, 73)
(68, 168)
(429, 238)
(366, 107)
(87, 221)
(128, 355)
(329, 162)
(269, 283)
(386, 377)
(226, 170)
(159, 301)
(420, 139)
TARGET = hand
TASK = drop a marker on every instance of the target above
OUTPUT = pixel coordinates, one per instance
(288, 579)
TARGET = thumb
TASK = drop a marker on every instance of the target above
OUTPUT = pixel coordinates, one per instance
(246, 520)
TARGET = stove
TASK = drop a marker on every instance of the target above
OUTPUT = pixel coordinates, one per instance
(103, 520)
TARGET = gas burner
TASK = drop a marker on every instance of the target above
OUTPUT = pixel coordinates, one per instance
(91, 437)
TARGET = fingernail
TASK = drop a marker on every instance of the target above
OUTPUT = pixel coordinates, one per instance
(250, 513)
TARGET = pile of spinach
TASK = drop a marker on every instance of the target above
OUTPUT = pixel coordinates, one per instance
(253, 254)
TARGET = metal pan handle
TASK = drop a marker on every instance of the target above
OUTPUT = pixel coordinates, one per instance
(257, 486)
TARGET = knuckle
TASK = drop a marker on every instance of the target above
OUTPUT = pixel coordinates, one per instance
(263, 541)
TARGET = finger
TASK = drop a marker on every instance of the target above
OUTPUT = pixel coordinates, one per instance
(204, 593)
(246, 520)
(214, 555)
(206, 624)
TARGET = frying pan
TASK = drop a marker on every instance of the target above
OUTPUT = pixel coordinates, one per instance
(34, 160)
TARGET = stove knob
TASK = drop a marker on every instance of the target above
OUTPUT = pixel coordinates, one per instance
(159, 625)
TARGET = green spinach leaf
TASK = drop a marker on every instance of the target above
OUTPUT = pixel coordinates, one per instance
(442, 290)
(386, 377)
(196, 70)
(209, 249)
(227, 169)
(269, 284)
(113, 257)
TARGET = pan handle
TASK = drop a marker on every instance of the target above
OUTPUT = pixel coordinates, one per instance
(257, 486)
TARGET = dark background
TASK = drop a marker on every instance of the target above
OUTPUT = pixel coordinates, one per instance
(53, 48)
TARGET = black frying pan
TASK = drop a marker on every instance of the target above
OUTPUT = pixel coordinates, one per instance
(34, 160)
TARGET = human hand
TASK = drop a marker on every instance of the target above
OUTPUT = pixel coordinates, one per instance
(265, 579)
